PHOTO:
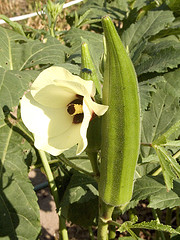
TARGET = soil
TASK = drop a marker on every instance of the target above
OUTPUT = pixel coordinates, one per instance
(48, 217)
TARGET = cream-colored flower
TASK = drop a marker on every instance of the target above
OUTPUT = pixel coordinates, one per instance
(57, 110)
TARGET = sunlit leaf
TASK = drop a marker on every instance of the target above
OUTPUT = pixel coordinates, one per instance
(13, 84)
(19, 210)
(163, 112)
(146, 27)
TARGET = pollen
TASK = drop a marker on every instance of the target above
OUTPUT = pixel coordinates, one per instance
(74, 109)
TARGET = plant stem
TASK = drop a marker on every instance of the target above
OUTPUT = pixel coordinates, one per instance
(157, 171)
(52, 29)
(62, 229)
(147, 144)
(176, 155)
(105, 214)
(69, 163)
(132, 234)
(158, 221)
(50, 177)
(91, 233)
(93, 158)
(112, 232)
(63, 234)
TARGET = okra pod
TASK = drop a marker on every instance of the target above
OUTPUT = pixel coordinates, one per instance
(120, 124)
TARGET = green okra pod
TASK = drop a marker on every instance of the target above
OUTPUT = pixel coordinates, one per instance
(121, 123)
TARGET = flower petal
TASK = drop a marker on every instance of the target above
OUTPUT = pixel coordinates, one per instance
(82, 144)
(44, 121)
(58, 144)
(55, 85)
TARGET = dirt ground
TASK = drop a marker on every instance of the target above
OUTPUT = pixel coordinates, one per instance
(48, 217)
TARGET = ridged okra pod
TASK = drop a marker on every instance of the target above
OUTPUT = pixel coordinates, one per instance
(121, 123)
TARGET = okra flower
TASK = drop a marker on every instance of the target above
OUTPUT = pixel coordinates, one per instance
(58, 109)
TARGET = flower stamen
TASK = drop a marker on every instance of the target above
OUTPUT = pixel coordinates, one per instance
(75, 109)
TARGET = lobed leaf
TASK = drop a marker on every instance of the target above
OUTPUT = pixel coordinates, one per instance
(18, 52)
(154, 189)
(162, 113)
(75, 37)
(19, 210)
(159, 57)
(154, 225)
(10, 48)
(146, 27)
(80, 202)
(13, 84)
(36, 52)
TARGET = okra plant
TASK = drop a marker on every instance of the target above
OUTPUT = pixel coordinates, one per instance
(97, 109)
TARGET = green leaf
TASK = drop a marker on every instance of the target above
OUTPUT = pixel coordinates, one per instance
(116, 9)
(146, 88)
(80, 203)
(174, 5)
(146, 168)
(36, 52)
(172, 79)
(19, 210)
(154, 225)
(154, 189)
(18, 53)
(10, 48)
(75, 37)
(16, 26)
(167, 166)
(13, 84)
(75, 69)
(162, 113)
(159, 57)
(163, 140)
(172, 143)
(145, 28)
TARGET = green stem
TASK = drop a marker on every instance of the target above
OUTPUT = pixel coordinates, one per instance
(158, 221)
(63, 234)
(39, 165)
(159, 170)
(105, 214)
(50, 177)
(112, 232)
(176, 155)
(24, 131)
(94, 163)
(70, 164)
(132, 234)
(52, 30)
(91, 233)
(62, 224)
(147, 144)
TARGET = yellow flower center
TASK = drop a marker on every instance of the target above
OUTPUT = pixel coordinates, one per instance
(75, 109)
